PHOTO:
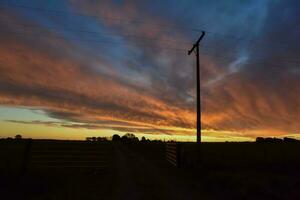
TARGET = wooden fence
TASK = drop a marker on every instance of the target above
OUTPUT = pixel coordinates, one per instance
(32, 155)
(234, 155)
(173, 153)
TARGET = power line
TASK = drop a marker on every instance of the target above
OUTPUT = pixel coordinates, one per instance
(91, 32)
(143, 39)
(60, 12)
(99, 41)
(97, 17)
(257, 41)
(84, 40)
(165, 47)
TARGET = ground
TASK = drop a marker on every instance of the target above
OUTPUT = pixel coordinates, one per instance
(140, 171)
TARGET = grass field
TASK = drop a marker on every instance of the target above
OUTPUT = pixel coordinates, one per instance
(114, 170)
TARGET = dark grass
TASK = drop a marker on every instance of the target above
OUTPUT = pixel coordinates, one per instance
(234, 170)
(140, 171)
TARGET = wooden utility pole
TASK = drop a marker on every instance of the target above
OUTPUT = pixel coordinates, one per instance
(196, 46)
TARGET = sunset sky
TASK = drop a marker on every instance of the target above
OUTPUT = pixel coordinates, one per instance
(71, 69)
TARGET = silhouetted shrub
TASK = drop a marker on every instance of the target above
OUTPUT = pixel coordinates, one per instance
(101, 139)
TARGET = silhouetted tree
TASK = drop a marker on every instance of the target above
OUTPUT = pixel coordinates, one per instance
(143, 139)
(260, 139)
(273, 140)
(286, 139)
(116, 137)
(129, 137)
(268, 140)
(18, 137)
(124, 138)
(135, 139)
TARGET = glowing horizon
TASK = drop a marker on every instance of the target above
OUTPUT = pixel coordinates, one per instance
(36, 125)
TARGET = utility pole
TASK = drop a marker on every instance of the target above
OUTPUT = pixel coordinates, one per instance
(196, 46)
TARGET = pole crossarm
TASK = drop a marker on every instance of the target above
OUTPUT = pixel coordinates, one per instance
(197, 43)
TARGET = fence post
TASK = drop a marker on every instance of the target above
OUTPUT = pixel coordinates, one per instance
(199, 158)
(173, 153)
(178, 155)
(27, 152)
